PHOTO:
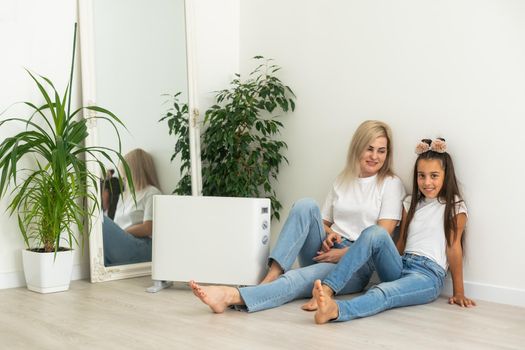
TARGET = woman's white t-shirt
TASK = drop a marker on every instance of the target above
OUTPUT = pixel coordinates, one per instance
(361, 203)
(128, 213)
(426, 233)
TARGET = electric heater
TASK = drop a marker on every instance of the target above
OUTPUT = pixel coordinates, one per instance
(220, 240)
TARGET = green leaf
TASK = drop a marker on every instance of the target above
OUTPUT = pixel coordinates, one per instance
(49, 198)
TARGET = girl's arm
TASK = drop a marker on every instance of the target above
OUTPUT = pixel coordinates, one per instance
(388, 224)
(455, 261)
(400, 244)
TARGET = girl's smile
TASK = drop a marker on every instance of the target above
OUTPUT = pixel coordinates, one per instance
(430, 177)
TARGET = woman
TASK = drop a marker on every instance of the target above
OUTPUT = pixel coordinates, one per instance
(127, 239)
(366, 193)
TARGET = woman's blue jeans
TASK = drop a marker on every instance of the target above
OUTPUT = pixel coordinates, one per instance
(300, 238)
(406, 280)
(122, 248)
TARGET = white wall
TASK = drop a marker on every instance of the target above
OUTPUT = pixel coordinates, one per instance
(216, 39)
(428, 68)
(37, 35)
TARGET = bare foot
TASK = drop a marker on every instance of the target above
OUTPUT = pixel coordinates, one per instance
(273, 273)
(327, 307)
(311, 305)
(218, 298)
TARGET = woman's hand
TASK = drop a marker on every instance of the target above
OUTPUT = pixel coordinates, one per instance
(331, 256)
(461, 300)
(331, 238)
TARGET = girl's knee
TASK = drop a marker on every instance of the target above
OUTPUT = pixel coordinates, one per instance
(375, 232)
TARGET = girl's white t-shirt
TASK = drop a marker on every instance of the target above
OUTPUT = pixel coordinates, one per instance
(128, 213)
(361, 203)
(426, 233)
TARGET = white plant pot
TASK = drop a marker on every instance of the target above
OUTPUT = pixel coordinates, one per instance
(44, 273)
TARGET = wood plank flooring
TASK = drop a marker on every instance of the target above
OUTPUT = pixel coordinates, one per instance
(121, 315)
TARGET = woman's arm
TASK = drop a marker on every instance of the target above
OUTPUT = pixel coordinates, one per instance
(105, 200)
(331, 236)
(455, 261)
(141, 230)
(327, 226)
(327, 254)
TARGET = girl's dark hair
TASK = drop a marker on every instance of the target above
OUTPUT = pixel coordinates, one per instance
(449, 194)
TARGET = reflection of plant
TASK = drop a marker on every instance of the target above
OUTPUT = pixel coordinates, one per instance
(49, 199)
(178, 124)
(240, 152)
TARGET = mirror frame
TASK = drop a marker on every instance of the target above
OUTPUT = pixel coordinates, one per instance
(98, 271)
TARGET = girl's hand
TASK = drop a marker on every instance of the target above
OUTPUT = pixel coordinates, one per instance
(331, 256)
(461, 300)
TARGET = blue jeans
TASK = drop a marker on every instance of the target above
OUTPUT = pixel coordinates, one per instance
(300, 238)
(121, 248)
(406, 280)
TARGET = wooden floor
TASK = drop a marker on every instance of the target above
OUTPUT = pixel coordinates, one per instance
(121, 315)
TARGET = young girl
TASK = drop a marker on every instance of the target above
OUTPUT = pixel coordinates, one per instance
(431, 240)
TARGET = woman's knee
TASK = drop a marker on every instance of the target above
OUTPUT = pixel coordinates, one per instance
(305, 205)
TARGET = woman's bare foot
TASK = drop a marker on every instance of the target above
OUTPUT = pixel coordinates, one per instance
(311, 305)
(326, 306)
(218, 298)
(273, 273)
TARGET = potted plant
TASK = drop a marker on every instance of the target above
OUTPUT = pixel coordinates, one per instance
(49, 198)
(241, 153)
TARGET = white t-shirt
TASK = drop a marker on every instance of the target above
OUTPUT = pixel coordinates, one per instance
(355, 206)
(128, 214)
(426, 234)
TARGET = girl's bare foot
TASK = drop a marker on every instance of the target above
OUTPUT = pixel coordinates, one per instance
(218, 298)
(273, 273)
(326, 307)
(311, 305)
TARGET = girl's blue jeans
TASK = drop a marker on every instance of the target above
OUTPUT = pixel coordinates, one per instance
(300, 238)
(406, 280)
(122, 248)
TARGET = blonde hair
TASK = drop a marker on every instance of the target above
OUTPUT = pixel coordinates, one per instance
(142, 169)
(365, 134)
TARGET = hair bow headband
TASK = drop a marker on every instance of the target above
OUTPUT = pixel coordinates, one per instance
(438, 145)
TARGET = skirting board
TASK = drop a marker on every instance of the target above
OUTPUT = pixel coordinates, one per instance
(488, 292)
(16, 279)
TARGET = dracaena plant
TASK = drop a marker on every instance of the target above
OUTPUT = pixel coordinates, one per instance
(241, 150)
(50, 196)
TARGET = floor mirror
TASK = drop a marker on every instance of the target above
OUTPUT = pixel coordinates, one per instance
(134, 58)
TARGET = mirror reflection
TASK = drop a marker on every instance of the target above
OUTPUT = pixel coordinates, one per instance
(127, 236)
(140, 61)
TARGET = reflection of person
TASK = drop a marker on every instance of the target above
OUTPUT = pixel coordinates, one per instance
(127, 239)
(111, 189)
(366, 193)
(431, 240)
